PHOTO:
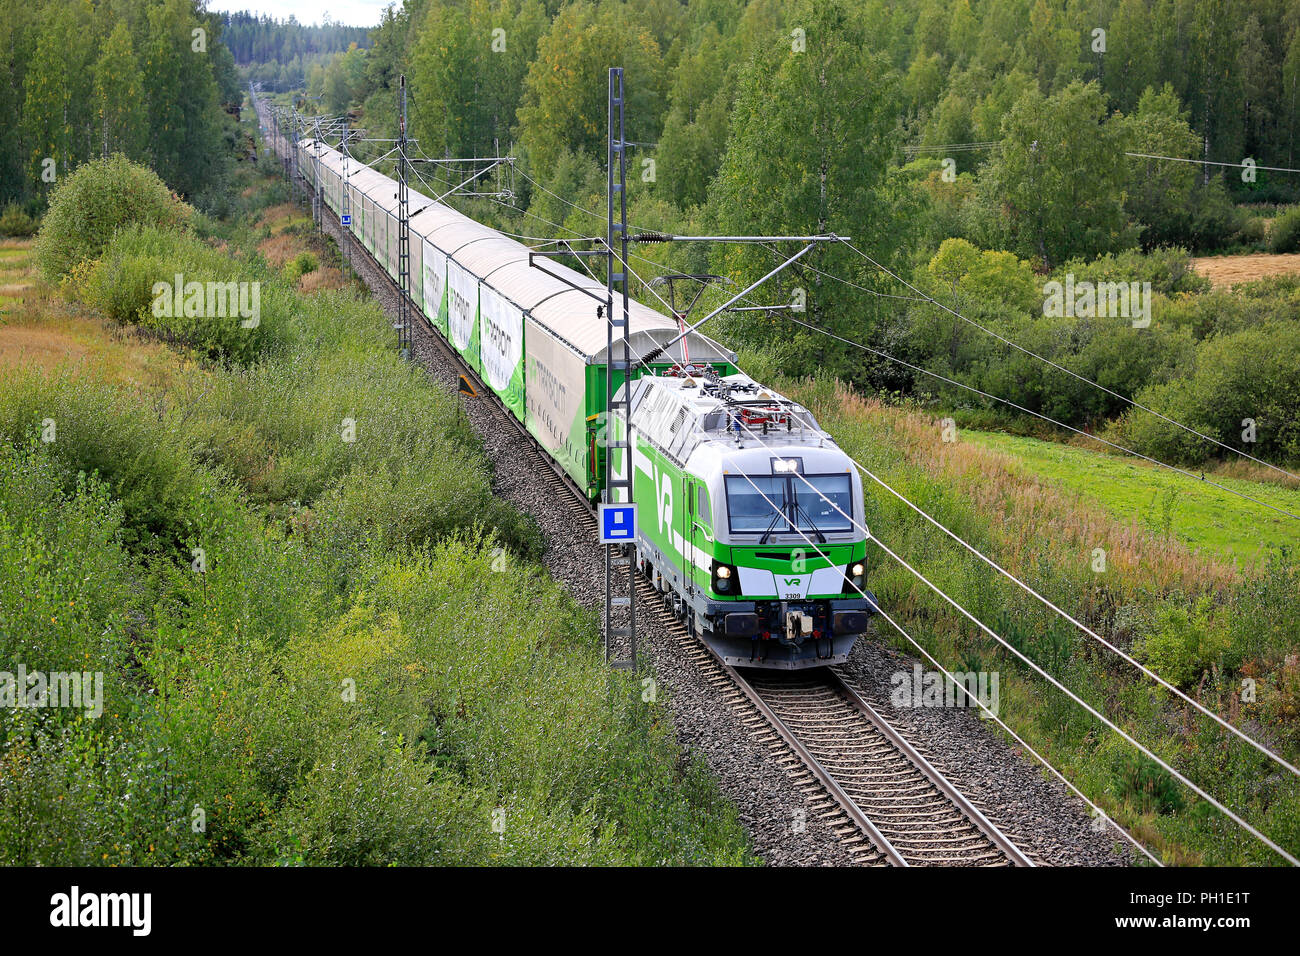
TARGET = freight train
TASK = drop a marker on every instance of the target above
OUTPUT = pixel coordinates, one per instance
(750, 520)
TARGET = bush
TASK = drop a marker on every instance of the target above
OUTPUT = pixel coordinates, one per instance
(1169, 270)
(141, 455)
(1182, 644)
(100, 197)
(1216, 221)
(1252, 374)
(1254, 232)
(300, 265)
(476, 681)
(15, 222)
(1285, 234)
(133, 281)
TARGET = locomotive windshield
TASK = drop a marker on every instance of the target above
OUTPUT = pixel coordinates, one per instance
(778, 504)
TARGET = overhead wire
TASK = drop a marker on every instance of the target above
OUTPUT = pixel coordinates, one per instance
(1062, 368)
(1148, 672)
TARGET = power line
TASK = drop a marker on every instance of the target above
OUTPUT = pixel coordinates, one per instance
(1077, 623)
(1209, 162)
(1052, 606)
(956, 683)
(1044, 600)
(1118, 447)
(1046, 418)
(1020, 408)
(1076, 375)
(1032, 664)
(953, 147)
(936, 663)
(923, 297)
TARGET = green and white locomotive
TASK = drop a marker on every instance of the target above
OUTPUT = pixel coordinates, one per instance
(749, 519)
(742, 502)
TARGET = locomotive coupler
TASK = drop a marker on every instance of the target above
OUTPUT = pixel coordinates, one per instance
(798, 626)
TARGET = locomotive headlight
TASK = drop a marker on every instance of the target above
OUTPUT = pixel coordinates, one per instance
(856, 577)
(724, 579)
(858, 570)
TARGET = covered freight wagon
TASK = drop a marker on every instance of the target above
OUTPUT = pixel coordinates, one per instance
(530, 336)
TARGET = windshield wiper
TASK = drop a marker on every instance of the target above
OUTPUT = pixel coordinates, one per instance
(776, 516)
(799, 509)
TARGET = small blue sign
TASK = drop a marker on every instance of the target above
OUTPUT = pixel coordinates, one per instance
(347, 220)
(617, 523)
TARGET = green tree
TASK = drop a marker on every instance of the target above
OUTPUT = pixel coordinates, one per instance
(1052, 47)
(336, 85)
(812, 136)
(1162, 195)
(57, 114)
(1289, 97)
(184, 125)
(566, 92)
(1060, 176)
(468, 64)
(1258, 75)
(1215, 96)
(18, 23)
(1130, 64)
(119, 105)
(695, 130)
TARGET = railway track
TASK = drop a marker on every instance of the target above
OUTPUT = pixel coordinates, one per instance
(884, 801)
(881, 797)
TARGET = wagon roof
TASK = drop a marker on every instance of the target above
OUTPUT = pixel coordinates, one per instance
(501, 262)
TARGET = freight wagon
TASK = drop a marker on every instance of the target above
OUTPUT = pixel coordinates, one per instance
(534, 340)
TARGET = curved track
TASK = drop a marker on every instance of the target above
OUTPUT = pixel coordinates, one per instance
(885, 802)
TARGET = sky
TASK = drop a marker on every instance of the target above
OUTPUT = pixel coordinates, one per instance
(355, 13)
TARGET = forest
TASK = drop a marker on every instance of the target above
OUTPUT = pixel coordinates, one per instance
(145, 78)
(977, 150)
(275, 53)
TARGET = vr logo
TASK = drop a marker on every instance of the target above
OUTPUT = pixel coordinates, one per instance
(662, 482)
(665, 501)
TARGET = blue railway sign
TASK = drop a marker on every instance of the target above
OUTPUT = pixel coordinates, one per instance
(617, 523)
(347, 220)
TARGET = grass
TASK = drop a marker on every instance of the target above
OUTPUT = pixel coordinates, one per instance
(16, 273)
(1159, 500)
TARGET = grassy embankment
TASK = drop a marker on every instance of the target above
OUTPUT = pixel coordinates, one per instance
(323, 639)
